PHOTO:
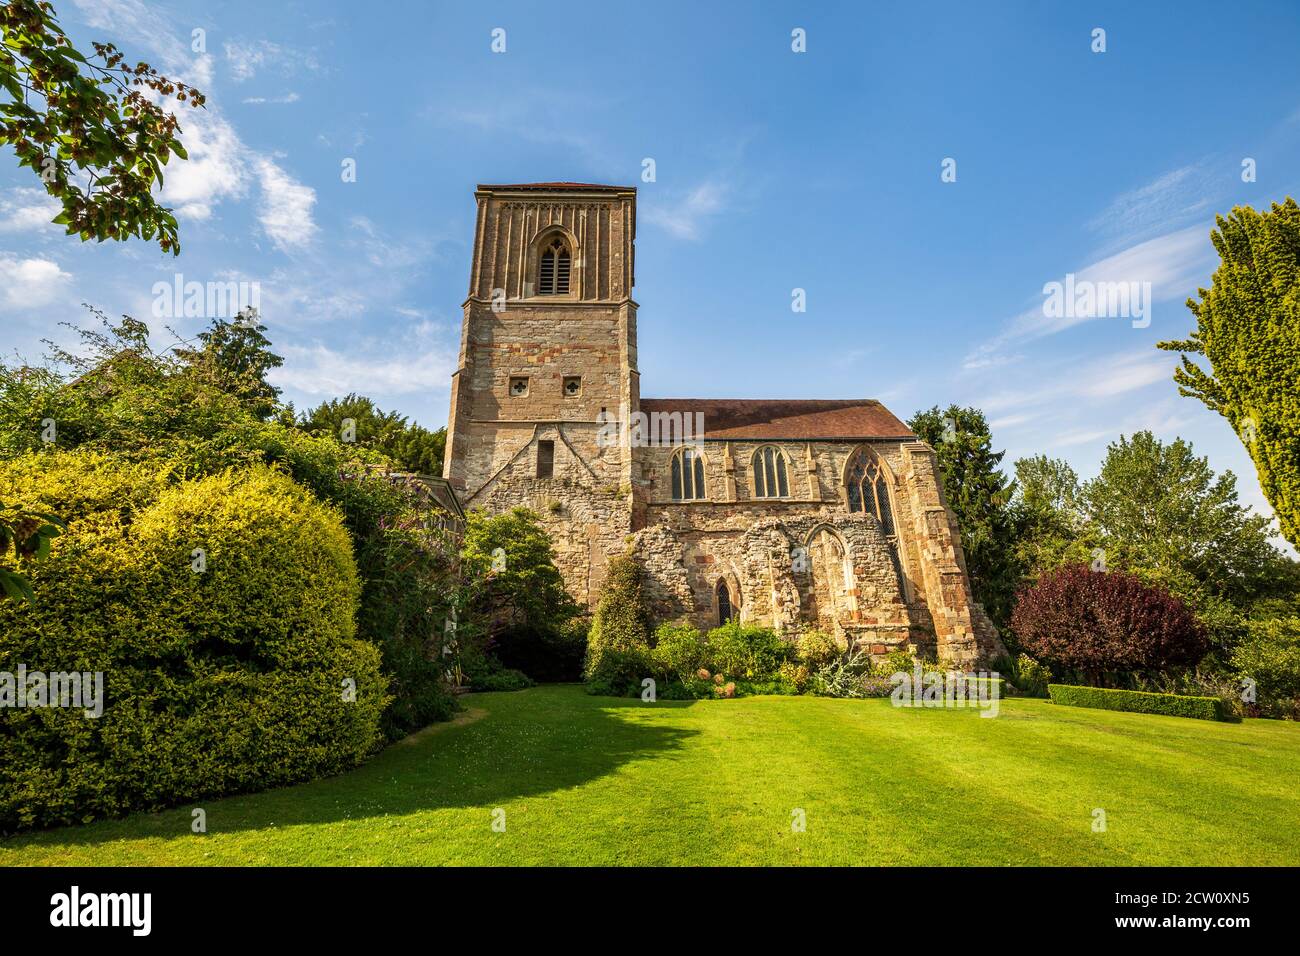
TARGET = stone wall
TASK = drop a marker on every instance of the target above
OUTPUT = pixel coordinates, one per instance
(805, 561)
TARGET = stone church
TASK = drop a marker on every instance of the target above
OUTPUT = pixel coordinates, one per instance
(784, 513)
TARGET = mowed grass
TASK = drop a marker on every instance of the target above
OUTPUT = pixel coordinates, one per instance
(591, 780)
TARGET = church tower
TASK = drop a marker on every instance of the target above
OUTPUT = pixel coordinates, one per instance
(547, 367)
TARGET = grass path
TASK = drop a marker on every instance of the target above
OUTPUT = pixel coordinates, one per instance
(590, 780)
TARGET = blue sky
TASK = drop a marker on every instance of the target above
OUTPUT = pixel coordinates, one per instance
(775, 170)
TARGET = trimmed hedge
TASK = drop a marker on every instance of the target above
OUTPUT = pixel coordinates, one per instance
(1137, 701)
(223, 681)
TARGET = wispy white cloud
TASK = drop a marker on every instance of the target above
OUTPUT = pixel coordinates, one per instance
(1172, 264)
(685, 217)
(1068, 384)
(133, 23)
(289, 97)
(28, 209)
(1172, 199)
(285, 210)
(29, 283)
(319, 369)
(246, 58)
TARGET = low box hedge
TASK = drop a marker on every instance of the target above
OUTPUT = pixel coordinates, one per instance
(1141, 702)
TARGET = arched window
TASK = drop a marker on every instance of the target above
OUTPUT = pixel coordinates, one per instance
(868, 489)
(553, 268)
(769, 473)
(688, 475)
(725, 609)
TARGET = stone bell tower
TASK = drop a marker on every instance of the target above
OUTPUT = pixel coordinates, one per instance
(548, 357)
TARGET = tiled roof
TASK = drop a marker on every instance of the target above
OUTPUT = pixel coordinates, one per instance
(771, 419)
(571, 187)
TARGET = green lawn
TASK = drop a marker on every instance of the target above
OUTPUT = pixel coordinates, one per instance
(590, 780)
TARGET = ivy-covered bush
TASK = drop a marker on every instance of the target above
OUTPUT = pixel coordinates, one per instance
(220, 612)
(618, 646)
(1246, 325)
(1106, 626)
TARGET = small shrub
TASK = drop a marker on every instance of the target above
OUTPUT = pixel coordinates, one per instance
(895, 662)
(816, 649)
(752, 653)
(795, 675)
(778, 687)
(624, 670)
(1270, 656)
(1136, 701)
(504, 679)
(845, 676)
(694, 689)
(678, 652)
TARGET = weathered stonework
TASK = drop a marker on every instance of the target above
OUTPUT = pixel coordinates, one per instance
(542, 401)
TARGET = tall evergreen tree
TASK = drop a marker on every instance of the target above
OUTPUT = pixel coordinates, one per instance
(1248, 327)
(979, 495)
(236, 357)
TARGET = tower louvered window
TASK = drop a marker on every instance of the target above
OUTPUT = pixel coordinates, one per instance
(554, 268)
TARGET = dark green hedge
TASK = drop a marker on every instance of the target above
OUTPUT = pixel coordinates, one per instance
(1141, 702)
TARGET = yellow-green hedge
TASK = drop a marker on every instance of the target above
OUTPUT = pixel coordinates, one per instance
(226, 680)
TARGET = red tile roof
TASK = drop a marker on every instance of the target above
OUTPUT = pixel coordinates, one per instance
(802, 419)
(569, 187)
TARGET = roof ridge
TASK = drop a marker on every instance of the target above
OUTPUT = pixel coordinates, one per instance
(675, 398)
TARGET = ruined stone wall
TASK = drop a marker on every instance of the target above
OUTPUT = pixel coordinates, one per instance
(805, 560)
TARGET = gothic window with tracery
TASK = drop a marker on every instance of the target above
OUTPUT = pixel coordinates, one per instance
(687, 475)
(868, 490)
(770, 473)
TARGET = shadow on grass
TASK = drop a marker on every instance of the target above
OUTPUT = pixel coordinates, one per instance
(527, 743)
